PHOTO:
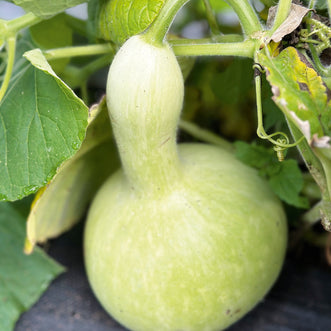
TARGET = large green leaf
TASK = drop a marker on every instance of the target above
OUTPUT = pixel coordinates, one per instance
(42, 123)
(120, 19)
(22, 278)
(46, 8)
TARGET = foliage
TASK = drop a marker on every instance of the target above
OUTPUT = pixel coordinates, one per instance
(47, 58)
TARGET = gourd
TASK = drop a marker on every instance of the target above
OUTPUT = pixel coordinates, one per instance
(183, 237)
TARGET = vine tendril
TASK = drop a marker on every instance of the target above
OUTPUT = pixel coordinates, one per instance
(281, 144)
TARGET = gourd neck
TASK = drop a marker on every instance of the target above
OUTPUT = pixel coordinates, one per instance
(144, 96)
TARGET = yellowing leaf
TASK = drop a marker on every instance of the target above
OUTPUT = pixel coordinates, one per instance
(299, 92)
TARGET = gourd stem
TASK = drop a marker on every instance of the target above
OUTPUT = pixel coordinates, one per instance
(159, 28)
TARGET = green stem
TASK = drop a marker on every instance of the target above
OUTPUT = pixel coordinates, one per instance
(226, 38)
(318, 65)
(11, 46)
(247, 16)
(244, 49)
(205, 135)
(88, 50)
(211, 18)
(312, 4)
(95, 65)
(312, 216)
(17, 24)
(283, 10)
(74, 76)
(329, 6)
(159, 28)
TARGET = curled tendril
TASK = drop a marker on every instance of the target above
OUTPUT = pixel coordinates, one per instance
(280, 150)
(281, 144)
(322, 31)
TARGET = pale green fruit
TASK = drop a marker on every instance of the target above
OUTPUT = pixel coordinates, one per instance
(184, 238)
(196, 258)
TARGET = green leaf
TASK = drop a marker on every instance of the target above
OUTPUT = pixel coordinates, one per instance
(53, 33)
(300, 93)
(42, 123)
(120, 19)
(22, 278)
(253, 155)
(46, 8)
(63, 202)
(285, 178)
(287, 182)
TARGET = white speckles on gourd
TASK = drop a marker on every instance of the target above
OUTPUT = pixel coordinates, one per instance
(184, 237)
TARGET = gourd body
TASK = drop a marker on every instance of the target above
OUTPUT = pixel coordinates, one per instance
(182, 238)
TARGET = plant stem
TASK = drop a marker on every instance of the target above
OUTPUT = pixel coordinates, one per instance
(87, 50)
(243, 49)
(17, 24)
(211, 18)
(226, 38)
(312, 4)
(76, 76)
(95, 65)
(329, 6)
(247, 16)
(312, 216)
(11, 46)
(159, 28)
(283, 10)
(205, 135)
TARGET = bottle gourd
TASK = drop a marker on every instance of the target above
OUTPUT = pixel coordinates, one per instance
(183, 237)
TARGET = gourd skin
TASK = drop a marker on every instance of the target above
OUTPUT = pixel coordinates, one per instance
(193, 243)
